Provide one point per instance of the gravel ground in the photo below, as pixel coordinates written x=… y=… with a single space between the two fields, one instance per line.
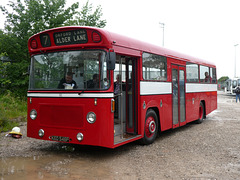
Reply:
x=196 y=151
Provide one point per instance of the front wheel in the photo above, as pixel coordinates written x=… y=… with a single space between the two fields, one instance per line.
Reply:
x=150 y=127
x=201 y=113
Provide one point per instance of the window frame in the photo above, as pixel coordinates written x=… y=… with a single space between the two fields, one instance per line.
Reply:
x=194 y=80
x=161 y=71
x=202 y=70
x=83 y=73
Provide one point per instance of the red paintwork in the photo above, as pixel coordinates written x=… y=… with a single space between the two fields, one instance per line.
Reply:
x=67 y=116
x=130 y=46
x=210 y=99
x=56 y=120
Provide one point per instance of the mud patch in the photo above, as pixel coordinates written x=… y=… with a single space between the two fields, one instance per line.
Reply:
x=51 y=167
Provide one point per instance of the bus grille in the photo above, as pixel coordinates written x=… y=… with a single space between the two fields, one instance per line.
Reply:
x=61 y=115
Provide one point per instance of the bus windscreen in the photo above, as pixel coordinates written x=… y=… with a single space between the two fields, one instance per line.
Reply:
x=77 y=70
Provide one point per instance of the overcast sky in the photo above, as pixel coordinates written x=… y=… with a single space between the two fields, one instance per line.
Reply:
x=207 y=29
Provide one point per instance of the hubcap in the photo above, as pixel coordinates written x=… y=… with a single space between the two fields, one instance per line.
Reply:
x=150 y=127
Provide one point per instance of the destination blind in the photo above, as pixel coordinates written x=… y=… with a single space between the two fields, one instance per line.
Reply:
x=70 y=37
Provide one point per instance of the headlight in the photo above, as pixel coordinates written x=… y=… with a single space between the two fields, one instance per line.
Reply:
x=41 y=132
x=79 y=136
x=33 y=114
x=91 y=117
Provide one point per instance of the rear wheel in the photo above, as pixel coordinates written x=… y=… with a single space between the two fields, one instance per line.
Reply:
x=150 y=127
x=201 y=113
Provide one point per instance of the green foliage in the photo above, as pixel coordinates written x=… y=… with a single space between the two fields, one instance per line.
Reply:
x=33 y=16
x=4 y=81
x=25 y=18
x=12 y=110
x=30 y=17
x=6 y=125
x=17 y=75
x=223 y=79
x=10 y=47
x=87 y=18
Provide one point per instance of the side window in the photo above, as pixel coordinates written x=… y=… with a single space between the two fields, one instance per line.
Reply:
x=120 y=73
x=234 y=83
x=213 y=74
x=120 y=67
x=192 y=72
x=154 y=67
x=204 y=74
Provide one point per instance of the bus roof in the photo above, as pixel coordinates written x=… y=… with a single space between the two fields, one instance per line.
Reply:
x=113 y=39
x=124 y=41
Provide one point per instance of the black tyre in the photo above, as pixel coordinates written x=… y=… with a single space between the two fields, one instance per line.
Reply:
x=201 y=113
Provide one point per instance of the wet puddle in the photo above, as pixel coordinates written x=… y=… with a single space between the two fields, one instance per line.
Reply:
x=231 y=101
x=51 y=167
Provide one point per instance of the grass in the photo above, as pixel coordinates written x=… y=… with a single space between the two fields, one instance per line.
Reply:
x=12 y=111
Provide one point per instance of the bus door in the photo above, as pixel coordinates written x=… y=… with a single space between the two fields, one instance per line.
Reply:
x=178 y=96
x=125 y=114
x=131 y=96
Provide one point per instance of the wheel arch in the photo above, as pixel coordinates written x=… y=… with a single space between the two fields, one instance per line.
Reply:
x=204 y=106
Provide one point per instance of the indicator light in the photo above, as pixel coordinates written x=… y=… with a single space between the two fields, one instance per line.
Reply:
x=34 y=44
x=96 y=37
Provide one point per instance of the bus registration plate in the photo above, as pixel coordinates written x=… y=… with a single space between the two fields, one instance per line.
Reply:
x=59 y=138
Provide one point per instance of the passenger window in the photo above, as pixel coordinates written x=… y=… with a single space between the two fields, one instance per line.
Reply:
x=154 y=67
x=192 y=72
x=205 y=75
x=213 y=74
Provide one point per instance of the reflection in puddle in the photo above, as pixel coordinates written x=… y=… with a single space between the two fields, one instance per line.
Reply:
x=51 y=167
x=231 y=101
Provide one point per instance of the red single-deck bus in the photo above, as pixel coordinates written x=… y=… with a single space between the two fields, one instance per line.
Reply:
x=74 y=96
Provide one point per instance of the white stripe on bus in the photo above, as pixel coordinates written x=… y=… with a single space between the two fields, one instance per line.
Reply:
x=149 y=88
x=153 y=88
x=72 y=95
x=196 y=87
x=146 y=88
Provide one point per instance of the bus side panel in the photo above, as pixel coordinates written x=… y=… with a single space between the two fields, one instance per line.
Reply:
x=211 y=101
x=214 y=101
x=65 y=117
x=192 y=106
x=166 y=112
x=162 y=103
x=193 y=101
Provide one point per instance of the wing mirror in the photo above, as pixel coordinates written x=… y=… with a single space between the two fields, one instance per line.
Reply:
x=111 y=59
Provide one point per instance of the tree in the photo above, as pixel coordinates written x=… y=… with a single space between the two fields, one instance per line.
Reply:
x=34 y=16
x=30 y=17
x=3 y=73
x=223 y=79
x=87 y=18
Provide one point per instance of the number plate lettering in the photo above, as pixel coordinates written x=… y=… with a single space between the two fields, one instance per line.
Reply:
x=59 y=138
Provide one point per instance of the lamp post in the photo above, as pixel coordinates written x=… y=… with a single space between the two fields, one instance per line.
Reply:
x=162 y=26
x=235 y=62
